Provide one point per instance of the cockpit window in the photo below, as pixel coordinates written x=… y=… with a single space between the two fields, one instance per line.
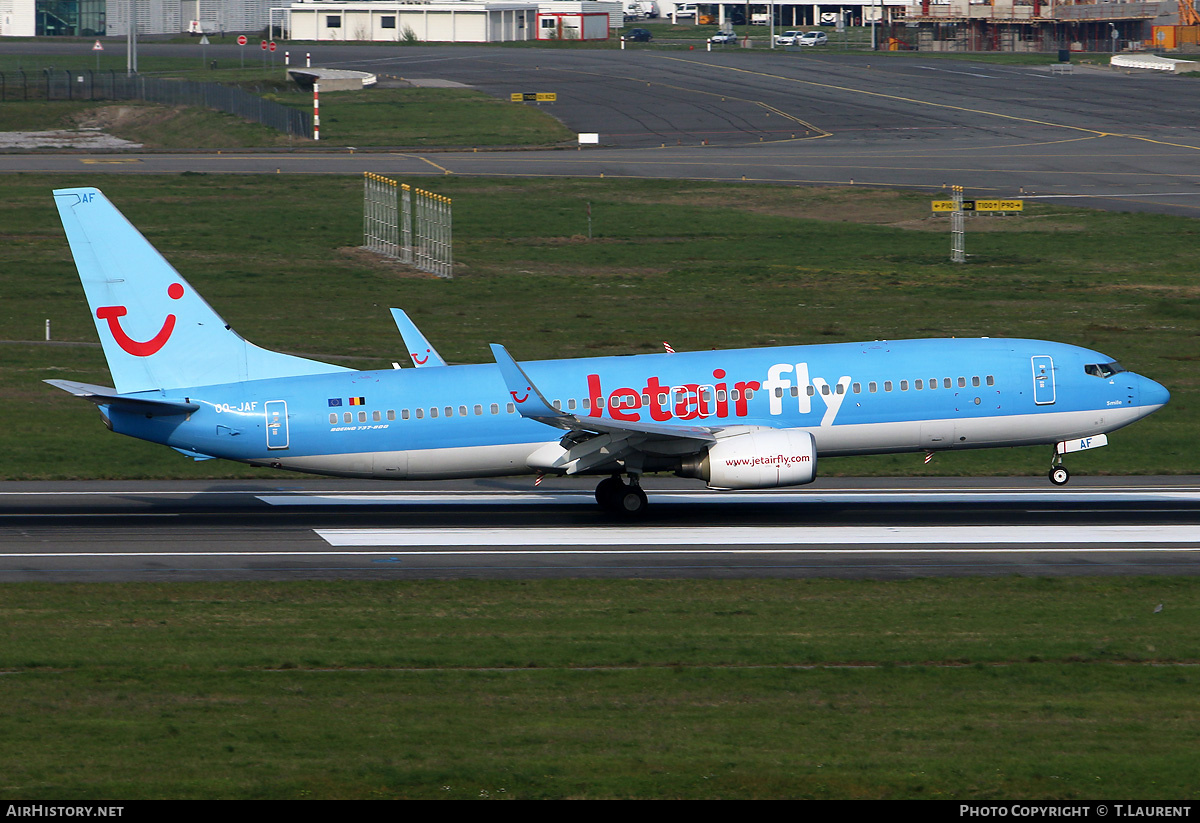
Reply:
x=1104 y=369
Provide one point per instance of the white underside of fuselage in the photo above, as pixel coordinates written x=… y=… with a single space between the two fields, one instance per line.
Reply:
x=832 y=441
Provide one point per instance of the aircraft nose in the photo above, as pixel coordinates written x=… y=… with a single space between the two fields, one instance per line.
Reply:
x=1152 y=393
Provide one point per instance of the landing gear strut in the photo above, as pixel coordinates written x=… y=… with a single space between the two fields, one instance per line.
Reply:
x=618 y=497
x=1058 y=472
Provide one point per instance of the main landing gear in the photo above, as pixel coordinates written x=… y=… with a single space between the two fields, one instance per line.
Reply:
x=1058 y=472
x=618 y=497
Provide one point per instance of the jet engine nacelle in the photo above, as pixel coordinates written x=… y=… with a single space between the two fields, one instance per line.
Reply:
x=757 y=459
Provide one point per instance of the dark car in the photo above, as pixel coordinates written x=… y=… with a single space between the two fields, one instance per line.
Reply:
x=639 y=35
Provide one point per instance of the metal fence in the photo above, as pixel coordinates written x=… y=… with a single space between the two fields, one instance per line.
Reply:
x=410 y=225
x=87 y=84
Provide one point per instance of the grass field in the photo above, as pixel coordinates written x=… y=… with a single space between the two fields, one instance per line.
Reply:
x=700 y=265
x=965 y=689
x=986 y=689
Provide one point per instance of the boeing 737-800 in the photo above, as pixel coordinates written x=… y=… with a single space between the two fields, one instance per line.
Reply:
x=737 y=419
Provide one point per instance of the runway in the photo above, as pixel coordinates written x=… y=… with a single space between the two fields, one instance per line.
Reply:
x=881 y=529
x=1099 y=138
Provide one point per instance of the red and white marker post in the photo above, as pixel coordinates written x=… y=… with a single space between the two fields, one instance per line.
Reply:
x=316 y=111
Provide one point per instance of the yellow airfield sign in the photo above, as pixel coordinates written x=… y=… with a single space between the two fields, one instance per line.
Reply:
x=980 y=205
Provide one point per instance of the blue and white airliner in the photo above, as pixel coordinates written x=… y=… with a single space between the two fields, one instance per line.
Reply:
x=737 y=419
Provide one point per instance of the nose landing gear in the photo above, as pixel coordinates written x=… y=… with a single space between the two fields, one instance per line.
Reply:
x=1058 y=472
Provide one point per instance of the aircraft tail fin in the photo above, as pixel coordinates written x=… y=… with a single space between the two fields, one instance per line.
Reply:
x=156 y=330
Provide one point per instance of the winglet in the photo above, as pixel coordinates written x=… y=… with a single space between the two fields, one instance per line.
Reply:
x=528 y=400
x=422 y=354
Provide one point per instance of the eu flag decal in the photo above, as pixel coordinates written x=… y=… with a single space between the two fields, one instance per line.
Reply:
x=335 y=401
x=358 y=401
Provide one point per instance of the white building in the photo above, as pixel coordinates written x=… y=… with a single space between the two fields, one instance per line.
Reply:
x=455 y=22
x=459 y=21
x=17 y=18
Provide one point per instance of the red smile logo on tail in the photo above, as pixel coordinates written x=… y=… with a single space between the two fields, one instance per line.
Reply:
x=138 y=348
x=521 y=399
x=420 y=361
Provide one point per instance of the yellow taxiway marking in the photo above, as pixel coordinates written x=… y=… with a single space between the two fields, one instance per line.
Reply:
x=948 y=106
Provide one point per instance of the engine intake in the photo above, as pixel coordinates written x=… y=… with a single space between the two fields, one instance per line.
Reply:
x=757 y=459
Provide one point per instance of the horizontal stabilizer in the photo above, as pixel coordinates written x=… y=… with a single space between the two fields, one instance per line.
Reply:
x=197 y=456
x=105 y=396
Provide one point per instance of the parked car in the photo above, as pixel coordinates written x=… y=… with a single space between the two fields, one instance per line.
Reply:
x=639 y=35
x=812 y=38
x=724 y=37
x=788 y=38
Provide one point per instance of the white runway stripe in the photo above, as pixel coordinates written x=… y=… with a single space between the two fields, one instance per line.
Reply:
x=798 y=539
x=714 y=497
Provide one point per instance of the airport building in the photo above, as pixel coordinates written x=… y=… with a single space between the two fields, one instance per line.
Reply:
x=97 y=18
x=921 y=25
x=451 y=22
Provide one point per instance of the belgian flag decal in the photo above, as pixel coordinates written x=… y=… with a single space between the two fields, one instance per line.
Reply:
x=358 y=401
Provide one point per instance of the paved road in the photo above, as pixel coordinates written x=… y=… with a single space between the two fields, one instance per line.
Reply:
x=505 y=529
x=1098 y=137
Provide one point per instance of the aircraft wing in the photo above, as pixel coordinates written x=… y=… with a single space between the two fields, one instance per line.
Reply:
x=593 y=443
x=105 y=396
x=422 y=354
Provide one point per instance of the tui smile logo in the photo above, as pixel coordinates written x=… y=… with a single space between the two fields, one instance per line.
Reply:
x=420 y=361
x=521 y=399
x=139 y=348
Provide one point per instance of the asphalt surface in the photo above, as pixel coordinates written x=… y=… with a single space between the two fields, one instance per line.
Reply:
x=507 y=529
x=1099 y=137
